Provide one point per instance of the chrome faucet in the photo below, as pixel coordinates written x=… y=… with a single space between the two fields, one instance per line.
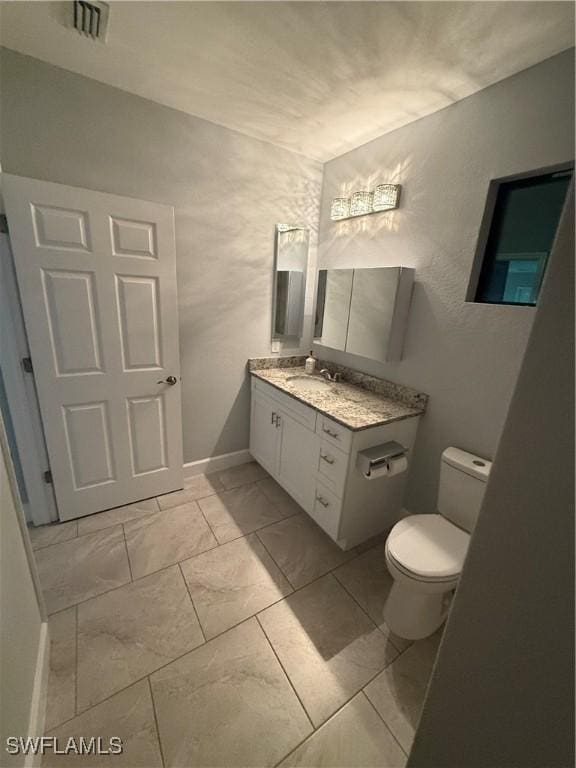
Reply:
x=330 y=376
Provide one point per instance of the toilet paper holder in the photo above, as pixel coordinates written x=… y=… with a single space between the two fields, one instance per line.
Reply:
x=374 y=458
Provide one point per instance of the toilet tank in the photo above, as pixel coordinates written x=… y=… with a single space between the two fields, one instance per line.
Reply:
x=463 y=478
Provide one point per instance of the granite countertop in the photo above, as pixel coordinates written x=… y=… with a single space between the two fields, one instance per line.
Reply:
x=364 y=402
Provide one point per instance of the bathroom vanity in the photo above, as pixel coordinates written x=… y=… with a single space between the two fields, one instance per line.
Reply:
x=307 y=433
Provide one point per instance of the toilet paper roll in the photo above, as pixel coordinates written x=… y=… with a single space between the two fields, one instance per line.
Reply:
x=397 y=466
x=388 y=468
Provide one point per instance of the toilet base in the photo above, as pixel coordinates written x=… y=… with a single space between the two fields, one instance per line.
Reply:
x=415 y=615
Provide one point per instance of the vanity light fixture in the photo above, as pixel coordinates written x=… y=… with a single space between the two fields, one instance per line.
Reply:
x=340 y=208
x=361 y=203
x=385 y=197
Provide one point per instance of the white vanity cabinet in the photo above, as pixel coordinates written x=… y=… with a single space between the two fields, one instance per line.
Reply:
x=283 y=440
x=314 y=459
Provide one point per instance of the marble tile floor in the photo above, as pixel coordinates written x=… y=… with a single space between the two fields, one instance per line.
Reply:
x=219 y=626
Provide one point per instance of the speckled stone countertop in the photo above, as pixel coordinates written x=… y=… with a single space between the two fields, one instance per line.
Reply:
x=358 y=401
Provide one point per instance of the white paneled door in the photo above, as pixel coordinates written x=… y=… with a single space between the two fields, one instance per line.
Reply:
x=97 y=279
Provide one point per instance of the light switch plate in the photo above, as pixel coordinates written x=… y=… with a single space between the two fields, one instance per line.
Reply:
x=275 y=346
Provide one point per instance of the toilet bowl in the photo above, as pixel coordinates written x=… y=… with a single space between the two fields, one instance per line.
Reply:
x=425 y=553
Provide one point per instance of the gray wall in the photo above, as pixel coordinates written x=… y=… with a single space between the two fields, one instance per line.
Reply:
x=229 y=191
x=465 y=356
x=502 y=691
x=20 y=617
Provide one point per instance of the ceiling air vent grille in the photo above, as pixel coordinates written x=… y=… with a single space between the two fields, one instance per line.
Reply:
x=91 y=19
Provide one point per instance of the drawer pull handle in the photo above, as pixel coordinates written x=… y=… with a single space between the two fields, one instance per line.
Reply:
x=329 y=432
x=327 y=459
x=323 y=501
x=273 y=419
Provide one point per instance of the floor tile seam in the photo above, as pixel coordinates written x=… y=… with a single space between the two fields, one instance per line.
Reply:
x=192 y=603
x=286 y=675
x=207 y=523
x=388 y=728
x=79 y=535
x=375 y=675
x=139 y=578
x=195 y=499
x=166 y=509
x=218 y=545
x=156 y=721
x=260 y=610
x=363 y=690
x=52 y=544
x=331 y=573
x=127 y=554
x=247 y=618
x=325 y=723
x=114 y=524
x=134 y=581
x=330 y=570
x=288 y=579
x=295 y=590
x=391 y=639
x=122 y=524
x=211 y=549
x=177 y=658
x=128 y=685
x=152 y=672
x=365 y=685
x=348 y=592
x=240 y=485
x=248 y=533
x=82 y=535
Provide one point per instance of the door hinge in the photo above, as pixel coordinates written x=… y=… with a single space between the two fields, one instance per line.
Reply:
x=27 y=365
x=3 y=224
x=48 y=477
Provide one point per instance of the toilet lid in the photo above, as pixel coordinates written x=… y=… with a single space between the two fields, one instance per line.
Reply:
x=429 y=546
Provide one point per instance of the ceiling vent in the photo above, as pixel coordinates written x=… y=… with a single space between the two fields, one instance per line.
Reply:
x=91 y=18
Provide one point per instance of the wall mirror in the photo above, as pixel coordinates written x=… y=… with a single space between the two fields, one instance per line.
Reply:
x=364 y=311
x=289 y=290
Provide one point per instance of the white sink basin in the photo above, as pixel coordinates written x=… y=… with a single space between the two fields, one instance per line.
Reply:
x=308 y=383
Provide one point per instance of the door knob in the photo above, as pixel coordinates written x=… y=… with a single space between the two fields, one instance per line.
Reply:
x=169 y=380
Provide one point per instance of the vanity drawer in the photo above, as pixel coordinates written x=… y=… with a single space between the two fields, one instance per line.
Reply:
x=326 y=510
x=301 y=413
x=333 y=466
x=334 y=433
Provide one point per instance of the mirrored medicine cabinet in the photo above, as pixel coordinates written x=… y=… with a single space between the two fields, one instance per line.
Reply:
x=364 y=311
x=289 y=289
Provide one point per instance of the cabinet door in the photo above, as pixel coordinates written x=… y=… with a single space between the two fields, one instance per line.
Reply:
x=298 y=461
x=265 y=432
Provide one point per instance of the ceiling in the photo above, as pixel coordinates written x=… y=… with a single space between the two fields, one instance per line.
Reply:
x=315 y=78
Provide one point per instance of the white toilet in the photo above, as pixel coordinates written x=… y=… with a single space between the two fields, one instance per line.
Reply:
x=425 y=553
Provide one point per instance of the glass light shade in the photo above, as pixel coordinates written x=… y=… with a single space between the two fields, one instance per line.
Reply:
x=386 y=197
x=340 y=208
x=361 y=203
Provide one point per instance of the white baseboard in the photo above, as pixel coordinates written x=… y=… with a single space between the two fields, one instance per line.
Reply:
x=39 y=694
x=217 y=463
